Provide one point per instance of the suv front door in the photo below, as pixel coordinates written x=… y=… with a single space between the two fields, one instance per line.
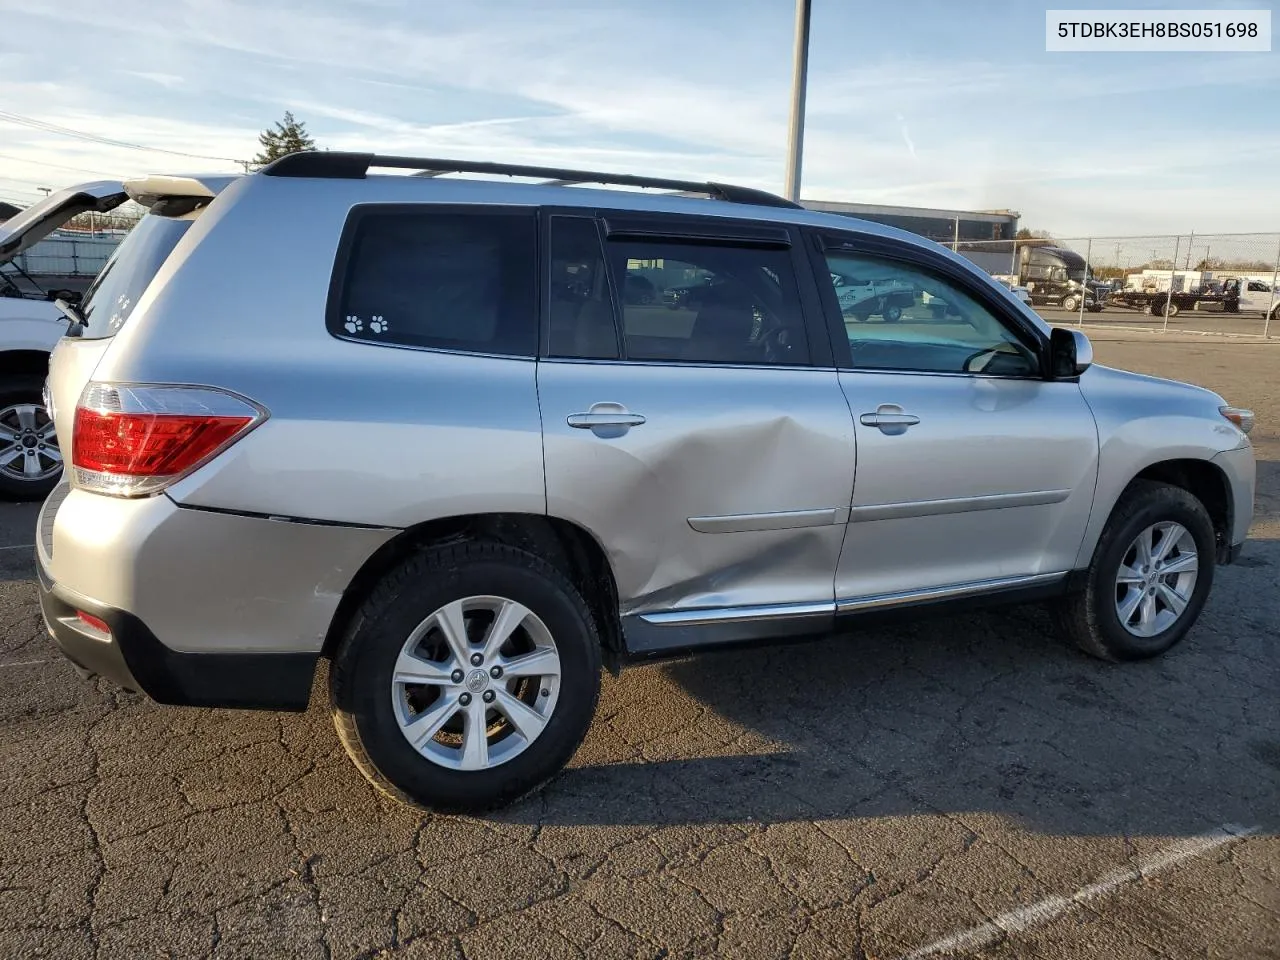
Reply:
x=693 y=423
x=974 y=472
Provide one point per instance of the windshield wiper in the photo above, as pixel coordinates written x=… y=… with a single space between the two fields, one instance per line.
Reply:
x=79 y=322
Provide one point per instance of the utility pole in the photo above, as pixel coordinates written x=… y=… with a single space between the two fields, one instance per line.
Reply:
x=799 y=81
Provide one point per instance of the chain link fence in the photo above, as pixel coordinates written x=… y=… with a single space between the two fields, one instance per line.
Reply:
x=1209 y=284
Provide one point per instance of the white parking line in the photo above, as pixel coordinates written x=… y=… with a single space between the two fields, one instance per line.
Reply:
x=23 y=663
x=20 y=546
x=1051 y=907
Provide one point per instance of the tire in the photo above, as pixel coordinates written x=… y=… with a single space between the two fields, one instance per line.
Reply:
x=23 y=414
x=1090 y=618
x=368 y=707
x=1173 y=309
x=1070 y=303
x=892 y=313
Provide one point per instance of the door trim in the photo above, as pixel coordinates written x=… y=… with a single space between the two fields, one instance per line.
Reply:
x=956 y=591
x=744 y=614
x=934 y=508
x=786 y=611
x=780 y=520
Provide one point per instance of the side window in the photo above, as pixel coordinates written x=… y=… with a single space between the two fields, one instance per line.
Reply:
x=705 y=303
x=1257 y=286
x=901 y=317
x=581 y=309
x=457 y=281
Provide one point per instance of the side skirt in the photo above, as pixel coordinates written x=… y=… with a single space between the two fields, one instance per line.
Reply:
x=675 y=632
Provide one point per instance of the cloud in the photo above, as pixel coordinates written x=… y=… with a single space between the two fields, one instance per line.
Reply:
x=169 y=80
x=644 y=89
x=906 y=136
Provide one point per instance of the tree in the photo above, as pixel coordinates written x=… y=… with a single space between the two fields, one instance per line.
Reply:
x=289 y=136
x=1025 y=234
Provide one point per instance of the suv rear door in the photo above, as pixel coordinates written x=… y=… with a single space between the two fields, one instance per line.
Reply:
x=975 y=472
x=693 y=423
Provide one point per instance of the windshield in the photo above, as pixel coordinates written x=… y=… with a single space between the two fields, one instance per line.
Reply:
x=110 y=299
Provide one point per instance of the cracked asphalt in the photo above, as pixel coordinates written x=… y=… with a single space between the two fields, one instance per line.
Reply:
x=867 y=795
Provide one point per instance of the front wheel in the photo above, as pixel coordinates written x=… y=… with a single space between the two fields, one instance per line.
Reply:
x=30 y=460
x=468 y=678
x=1070 y=304
x=1149 y=578
x=892 y=313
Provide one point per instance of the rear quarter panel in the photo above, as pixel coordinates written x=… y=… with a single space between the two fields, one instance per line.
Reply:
x=364 y=434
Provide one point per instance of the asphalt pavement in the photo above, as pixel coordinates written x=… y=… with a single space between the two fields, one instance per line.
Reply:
x=964 y=787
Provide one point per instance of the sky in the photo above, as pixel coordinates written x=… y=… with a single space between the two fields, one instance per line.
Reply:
x=914 y=102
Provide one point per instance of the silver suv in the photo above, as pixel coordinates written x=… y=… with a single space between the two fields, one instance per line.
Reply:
x=471 y=440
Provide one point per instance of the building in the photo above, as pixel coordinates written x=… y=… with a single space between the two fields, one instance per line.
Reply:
x=944 y=226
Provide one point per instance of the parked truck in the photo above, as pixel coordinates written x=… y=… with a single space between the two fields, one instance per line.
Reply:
x=861 y=298
x=1159 y=291
x=1056 y=276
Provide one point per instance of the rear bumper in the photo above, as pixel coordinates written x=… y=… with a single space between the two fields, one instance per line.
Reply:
x=131 y=657
x=243 y=603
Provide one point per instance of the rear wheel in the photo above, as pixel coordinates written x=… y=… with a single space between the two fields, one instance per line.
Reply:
x=893 y=313
x=30 y=460
x=1070 y=303
x=1149 y=578
x=467 y=679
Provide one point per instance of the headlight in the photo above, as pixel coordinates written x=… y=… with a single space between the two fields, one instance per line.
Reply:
x=1239 y=416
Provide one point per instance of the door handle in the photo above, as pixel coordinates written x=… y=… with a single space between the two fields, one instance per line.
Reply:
x=589 y=421
x=890 y=418
x=606 y=420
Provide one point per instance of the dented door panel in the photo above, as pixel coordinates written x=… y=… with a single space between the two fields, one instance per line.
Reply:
x=733 y=491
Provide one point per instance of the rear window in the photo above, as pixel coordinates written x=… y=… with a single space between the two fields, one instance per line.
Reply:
x=444 y=280
x=111 y=298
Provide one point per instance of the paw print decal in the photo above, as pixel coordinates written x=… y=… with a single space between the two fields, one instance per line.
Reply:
x=354 y=325
x=378 y=325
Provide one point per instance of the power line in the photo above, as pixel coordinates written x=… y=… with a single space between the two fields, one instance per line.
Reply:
x=34 y=183
x=45 y=127
x=58 y=166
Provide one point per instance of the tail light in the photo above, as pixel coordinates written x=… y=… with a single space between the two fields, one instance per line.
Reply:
x=133 y=441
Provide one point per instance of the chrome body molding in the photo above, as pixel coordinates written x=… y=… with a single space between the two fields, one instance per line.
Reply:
x=934 y=508
x=956 y=592
x=781 y=520
x=788 y=611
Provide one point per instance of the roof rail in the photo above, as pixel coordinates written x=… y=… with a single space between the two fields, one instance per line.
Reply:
x=355 y=166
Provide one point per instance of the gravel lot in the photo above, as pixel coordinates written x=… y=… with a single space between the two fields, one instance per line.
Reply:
x=961 y=788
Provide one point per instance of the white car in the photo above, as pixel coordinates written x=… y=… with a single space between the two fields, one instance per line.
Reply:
x=863 y=298
x=31 y=325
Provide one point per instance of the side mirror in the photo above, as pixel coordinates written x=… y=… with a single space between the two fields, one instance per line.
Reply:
x=1070 y=353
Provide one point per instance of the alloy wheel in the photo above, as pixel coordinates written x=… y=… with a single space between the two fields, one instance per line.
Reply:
x=1156 y=579
x=476 y=682
x=28 y=444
